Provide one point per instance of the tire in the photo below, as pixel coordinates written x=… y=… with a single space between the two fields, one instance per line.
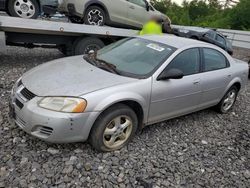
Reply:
x=24 y=9
x=84 y=45
x=121 y=137
x=194 y=37
x=95 y=15
x=224 y=107
x=75 y=19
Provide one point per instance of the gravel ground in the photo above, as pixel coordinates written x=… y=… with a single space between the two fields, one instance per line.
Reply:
x=204 y=149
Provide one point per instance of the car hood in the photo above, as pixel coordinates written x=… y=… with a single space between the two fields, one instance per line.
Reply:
x=71 y=76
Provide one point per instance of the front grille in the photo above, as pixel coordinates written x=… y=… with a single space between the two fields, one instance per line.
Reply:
x=27 y=94
x=19 y=104
x=46 y=130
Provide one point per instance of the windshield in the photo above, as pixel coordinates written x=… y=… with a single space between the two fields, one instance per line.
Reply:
x=135 y=57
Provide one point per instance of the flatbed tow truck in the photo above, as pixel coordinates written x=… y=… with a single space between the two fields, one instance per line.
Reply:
x=69 y=38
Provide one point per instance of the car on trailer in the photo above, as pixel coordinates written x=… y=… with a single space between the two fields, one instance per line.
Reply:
x=27 y=8
x=204 y=34
x=106 y=97
x=118 y=13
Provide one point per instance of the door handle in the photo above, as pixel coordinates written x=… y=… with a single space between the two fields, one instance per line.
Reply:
x=132 y=7
x=196 y=82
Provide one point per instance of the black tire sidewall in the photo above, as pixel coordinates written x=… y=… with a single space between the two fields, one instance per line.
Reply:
x=220 y=105
x=82 y=43
x=13 y=13
x=96 y=136
x=92 y=8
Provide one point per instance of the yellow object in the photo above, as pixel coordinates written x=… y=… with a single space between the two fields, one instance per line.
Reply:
x=151 y=28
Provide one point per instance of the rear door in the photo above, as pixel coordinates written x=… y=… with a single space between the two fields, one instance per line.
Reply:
x=137 y=13
x=175 y=97
x=215 y=77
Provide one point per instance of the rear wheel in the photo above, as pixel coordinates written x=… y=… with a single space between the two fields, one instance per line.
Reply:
x=95 y=15
x=24 y=8
x=85 y=45
x=114 y=128
x=228 y=100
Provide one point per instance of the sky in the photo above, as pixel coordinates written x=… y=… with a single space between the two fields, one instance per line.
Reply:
x=179 y=1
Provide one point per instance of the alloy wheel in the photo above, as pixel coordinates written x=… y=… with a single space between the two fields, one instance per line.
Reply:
x=95 y=17
x=24 y=8
x=117 y=132
x=229 y=100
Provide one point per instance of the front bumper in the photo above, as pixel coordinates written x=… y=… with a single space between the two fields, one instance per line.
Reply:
x=71 y=8
x=50 y=126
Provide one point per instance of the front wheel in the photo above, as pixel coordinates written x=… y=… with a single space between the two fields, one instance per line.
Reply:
x=114 y=128
x=228 y=100
x=24 y=8
x=95 y=15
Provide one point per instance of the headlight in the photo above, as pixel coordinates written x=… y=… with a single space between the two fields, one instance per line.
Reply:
x=183 y=30
x=16 y=85
x=63 y=104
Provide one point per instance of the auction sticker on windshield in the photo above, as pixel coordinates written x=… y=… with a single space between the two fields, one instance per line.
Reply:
x=155 y=47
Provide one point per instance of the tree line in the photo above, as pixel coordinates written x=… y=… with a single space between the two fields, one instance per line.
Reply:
x=230 y=14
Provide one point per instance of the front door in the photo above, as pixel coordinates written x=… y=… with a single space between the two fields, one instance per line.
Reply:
x=175 y=97
x=137 y=13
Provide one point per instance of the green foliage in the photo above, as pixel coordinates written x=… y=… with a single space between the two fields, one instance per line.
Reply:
x=207 y=13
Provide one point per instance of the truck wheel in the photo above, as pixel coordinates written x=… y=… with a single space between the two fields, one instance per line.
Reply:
x=24 y=8
x=95 y=16
x=84 y=45
x=114 y=128
x=228 y=100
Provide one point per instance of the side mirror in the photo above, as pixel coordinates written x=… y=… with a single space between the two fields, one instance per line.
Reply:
x=171 y=74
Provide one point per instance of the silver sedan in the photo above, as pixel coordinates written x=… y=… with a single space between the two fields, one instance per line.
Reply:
x=105 y=97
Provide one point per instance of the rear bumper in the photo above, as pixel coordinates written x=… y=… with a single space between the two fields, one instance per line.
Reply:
x=72 y=8
x=49 y=2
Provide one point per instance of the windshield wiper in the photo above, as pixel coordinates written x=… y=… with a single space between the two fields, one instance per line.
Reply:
x=107 y=66
x=89 y=60
x=92 y=59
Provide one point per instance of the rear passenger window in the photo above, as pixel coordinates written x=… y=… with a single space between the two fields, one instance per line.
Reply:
x=221 y=40
x=214 y=60
x=187 y=61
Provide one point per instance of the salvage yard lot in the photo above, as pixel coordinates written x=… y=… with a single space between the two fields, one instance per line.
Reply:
x=204 y=149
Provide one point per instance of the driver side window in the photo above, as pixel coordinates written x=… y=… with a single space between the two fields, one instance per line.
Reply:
x=140 y=3
x=187 y=61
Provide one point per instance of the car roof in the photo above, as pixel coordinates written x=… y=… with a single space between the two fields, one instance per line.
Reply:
x=198 y=29
x=175 y=41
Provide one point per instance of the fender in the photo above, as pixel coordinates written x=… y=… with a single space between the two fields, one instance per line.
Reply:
x=119 y=97
x=235 y=80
